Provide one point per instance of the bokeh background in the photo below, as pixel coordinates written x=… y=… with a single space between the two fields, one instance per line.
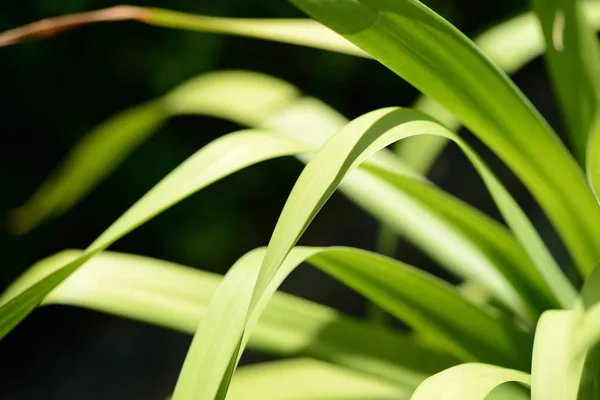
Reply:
x=55 y=91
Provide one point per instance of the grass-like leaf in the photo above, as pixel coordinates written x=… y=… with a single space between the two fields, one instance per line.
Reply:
x=468 y=382
x=412 y=295
x=556 y=369
x=436 y=58
x=362 y=137
x=295 y=31
x=573 y=58
x=467 y=243
x=305 y=379
x=223 y=94
x=176 y=297
x=222 y=157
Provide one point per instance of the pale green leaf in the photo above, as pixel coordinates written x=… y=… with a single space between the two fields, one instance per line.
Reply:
x=223 y=94
x=345 y=150
x=294 y=31
x=233 y=152
x=426 y=303
x=468 y=382
x=556 y=368
x=220 y=158
x=437 y=59
x=469 y=244
x=306 y=379
x=94 y=158
x=510 y=44
x=173 y=296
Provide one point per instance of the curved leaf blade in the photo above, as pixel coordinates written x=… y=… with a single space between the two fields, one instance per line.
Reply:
x=222 y=157
x=403 y=291
x=468 y=382
x=176 y=297
x=362 y=137
x=556 y=369
x=436 y=58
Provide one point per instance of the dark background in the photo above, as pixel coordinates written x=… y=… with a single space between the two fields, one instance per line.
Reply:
x=55 y=91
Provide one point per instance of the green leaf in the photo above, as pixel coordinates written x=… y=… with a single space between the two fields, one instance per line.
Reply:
x=484 y=246
x=510 y=44
x=593 y=158
x=362 y=137
x=223 y=94
x=306 y=379
x=465 y=233
x=220 y=158
x=105 y=146
x=556 y=369
x=590 y=293
x=426 y=303
x=468 y=382
x=460 y=238
x=437 y=59
x=573 y=58
x=293 y=31
x=214 y=160
x=176 y=297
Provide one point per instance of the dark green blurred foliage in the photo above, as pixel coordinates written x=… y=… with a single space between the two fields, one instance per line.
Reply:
x=56 y=90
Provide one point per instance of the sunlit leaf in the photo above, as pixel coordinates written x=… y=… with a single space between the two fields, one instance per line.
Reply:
x=437 y=59
x=405 y=292
x=470 y=244
x=220 y=158
x=294 y=31
x=173 y=296
x=468 y=382
x=362 y=137
x=556 y=369
x=305 y=379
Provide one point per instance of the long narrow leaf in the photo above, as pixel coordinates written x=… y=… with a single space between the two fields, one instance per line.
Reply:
x=556 y=369
x=223 y=94
x=573 y=58
x=222 y=157
x=345 y=150
x=410 y=294
x=305 y=379
x=435 y=57
x=469 y=244
x=173 y=296
x=295 y=31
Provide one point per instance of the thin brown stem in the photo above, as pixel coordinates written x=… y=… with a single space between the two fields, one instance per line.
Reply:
x=53 y=26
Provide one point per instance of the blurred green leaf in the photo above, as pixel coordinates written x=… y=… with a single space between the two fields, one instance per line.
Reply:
x=436 y=58
x=573 y=58
x=468 y=382
x=590 y=293
x=102 y=150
